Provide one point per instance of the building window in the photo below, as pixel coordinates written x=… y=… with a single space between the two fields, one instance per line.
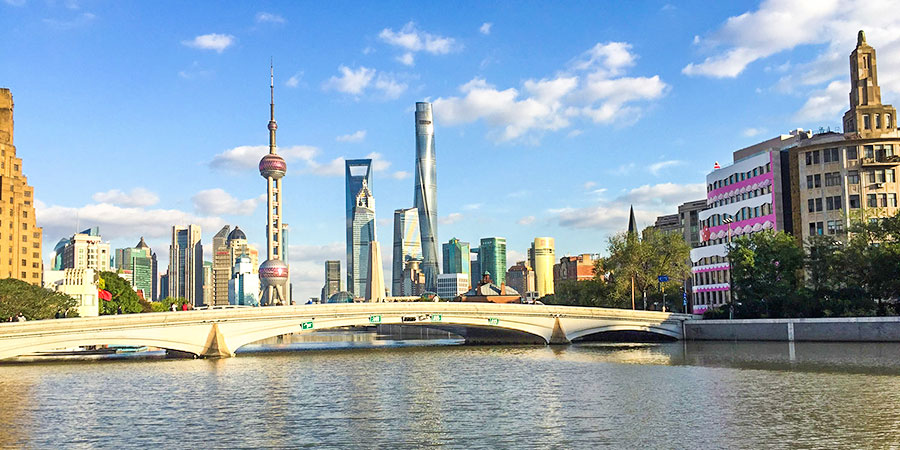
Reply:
x=871 y=201
x=816 y=228
x=853 y=177
x=809 y=158
x=868 y=151
x=833 y=179
x=830 y=155
x=866 y=122
x=887 y=120
x=892 y=200
x=854 y=201
x=851 y=153
x=809 y=182
x=817 y=180
x=882 y=200
x=811 y=205
x=835 y=226
x=833 y=203
x=877 y=121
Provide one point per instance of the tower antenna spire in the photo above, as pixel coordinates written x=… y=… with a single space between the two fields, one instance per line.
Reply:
x=272 y=89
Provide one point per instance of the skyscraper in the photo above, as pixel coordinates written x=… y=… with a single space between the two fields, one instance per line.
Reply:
x=186 y=264
x=243 y=288
x=544 y=258
x=228 y=246
x=274 y=273
x=332 y=279
x=138 y=261
x=363 y=227
x=358 y=172
x=407 y=244
x=208 y=283
x=425 y=199
x=456 y=258
x=21 y=260
x=492 y=258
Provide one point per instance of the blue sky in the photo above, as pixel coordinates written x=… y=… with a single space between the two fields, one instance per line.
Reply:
x=550 y=118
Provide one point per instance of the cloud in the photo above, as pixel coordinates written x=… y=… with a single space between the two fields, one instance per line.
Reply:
x=78 y=21
x=593 y=87
x=411 y=39
x=655 y=168
x=575 y=132
x=485 y=28
x=264 y=17
x=400 y=175
x=137 y=197
x=245 y=158
x=588 y=184
x=357 y=136
x=15 y=2
x=307 y=267
x=335 y=167
x=212 y=41
x=355 y=82
x=473 y=206
x=406 y=59
x=825 y=103
x=450 y=218
x=527 y=220
x=217 y=201
x=649 y=201
x=750 y=132
x=294 y=80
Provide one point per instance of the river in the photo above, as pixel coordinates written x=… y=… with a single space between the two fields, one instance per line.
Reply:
x=342 y=390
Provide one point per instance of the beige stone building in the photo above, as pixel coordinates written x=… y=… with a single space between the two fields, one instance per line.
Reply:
x=80 y=284
x=842 y=178
x=20 y=238
x=85 y=251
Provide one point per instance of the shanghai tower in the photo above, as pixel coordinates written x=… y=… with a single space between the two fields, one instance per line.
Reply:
x=426 y=193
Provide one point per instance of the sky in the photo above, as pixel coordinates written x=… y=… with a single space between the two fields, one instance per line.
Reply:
x=551 y=118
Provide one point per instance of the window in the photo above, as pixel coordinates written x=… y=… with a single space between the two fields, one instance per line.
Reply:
x=817 y=180
x=830 y=155
x=818 y=204
x=889 y=175
x=851 y=153
x=877 y=121
x=866 y=122
x=871 y=201
x=811 y=205
x=833 y=203
x=854 y=201
x=868 y=151
x=835 y=226
x=816 y=228
x=892 y=200
x=882 y=200
x=887 y=120
x=809 y=158
x=853 y=177
x=833 y=179
x=888 y=150
x=809 y=182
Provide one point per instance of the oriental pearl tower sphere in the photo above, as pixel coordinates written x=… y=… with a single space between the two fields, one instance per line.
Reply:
x=273 y=273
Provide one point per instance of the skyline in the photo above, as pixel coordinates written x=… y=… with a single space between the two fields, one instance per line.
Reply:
x=349 y=104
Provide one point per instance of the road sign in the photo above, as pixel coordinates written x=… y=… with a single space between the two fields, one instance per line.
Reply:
x=375 y=319
x=306 y=325
x=663 y=278
x=493 y=321
x=435 y=317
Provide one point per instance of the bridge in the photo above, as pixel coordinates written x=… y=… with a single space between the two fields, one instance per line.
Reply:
x=218 y=333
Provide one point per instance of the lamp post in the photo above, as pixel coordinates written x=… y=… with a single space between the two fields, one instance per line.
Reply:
x=728 y=219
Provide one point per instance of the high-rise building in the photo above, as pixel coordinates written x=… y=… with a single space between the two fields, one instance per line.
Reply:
x=86 y=251
x=332 y=279
x=154 y=277
x=688 y=215
x=413 y=279
x=21 y=259
x=521 y=278
x=186 y=264
x=492 y=258
x=207 y=282
x=229 y=245
x=456 y=259
x=669 y=224
x=358 y=174
x=363 y=227
x=475 y=272
x=375 y=290
x=842 y=179
x=274 y=273
x=543 y=249
x=164 y=286
x=139 y=262
x=407 y=244
x=59 y=251
x=425 y=199
x=243 y=287
x=452 y=285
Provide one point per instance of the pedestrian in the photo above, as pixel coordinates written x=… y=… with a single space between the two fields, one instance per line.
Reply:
x=58 y=313
x=184 y=307
x=173 y=308
x=20 y=318
x=119 y=310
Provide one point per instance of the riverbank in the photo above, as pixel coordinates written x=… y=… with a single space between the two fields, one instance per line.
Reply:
x=831 y=329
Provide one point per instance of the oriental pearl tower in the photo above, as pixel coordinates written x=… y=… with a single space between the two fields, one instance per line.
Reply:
x=273 y=274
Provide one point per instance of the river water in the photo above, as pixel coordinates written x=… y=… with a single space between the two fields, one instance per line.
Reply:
x=343 y=390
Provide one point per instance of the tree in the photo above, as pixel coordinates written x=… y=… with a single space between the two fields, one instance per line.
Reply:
x=166 y=304
x=644 y=259
x=33 y=302
x=766 y=270
x=124 y=299
x=583 y=293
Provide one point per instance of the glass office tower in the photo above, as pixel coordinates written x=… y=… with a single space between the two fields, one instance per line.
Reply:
x=426 y=193
x=407 y=245
x=492 y=258
x=456 y=258
x=358 y=173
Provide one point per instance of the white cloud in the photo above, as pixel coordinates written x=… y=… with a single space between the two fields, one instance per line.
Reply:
x=649 y=201
x=307 y=267
x=264 y=17
x=212 y=41
x=79 y=20
x=450 y=218
x=217 y=201
x=750 y=132
x=137 y=197
x=588 y=184
x=657 y=167
x=574 y=133
x=406 y=59
x=485 y=28
x=294 y=80
x=473 y=206
x=527 y=220
x=413 y=40
x=828 y=27
x=400 y=175
x=15 y=2
x=357 y=136
x=335 y=167
x=594 y=87
x=355 y=82
x=246 y=157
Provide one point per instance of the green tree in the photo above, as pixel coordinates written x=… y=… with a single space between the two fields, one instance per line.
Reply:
x=644 y=259
x=166 y=304
x=766 y=271
x=124 y=298
x=584 y=293
x=33 y=302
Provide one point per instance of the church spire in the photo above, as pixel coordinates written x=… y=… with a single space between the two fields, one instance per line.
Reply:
x=632 y=224
x=867 y=116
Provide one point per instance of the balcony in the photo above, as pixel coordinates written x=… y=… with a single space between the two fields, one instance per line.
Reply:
x=881 y=161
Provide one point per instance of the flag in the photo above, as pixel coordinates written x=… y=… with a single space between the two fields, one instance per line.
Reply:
x=104 y=295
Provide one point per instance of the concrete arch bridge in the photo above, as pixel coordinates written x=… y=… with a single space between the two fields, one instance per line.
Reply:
x=218 y=333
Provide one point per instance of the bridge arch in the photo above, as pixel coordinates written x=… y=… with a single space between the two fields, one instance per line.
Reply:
x=651 y=329
x=61 y=342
